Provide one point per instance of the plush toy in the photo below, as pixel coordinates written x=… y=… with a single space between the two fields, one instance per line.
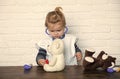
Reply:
x=57 y=62
x=102 y=61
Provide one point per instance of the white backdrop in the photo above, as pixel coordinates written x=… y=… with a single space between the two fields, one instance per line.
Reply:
x=95 y=22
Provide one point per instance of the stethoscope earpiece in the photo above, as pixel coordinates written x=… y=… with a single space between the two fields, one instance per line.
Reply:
x=66 y=30
x=46 y=31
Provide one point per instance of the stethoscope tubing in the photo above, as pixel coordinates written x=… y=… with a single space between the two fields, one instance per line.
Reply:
x=46 y=31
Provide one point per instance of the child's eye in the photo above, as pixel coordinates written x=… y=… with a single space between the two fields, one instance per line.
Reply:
x=51 y=31
x=58 y=30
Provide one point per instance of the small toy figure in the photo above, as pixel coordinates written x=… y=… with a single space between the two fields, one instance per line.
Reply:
x=27 y=66
x=114 y=69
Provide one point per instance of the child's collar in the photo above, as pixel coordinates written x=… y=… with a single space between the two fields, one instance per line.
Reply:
x=60 y=37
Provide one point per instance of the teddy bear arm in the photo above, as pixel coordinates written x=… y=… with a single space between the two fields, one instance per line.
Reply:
x=53 y=61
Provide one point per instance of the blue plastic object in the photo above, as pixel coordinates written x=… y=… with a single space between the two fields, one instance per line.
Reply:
x=27 y=67
x=110 y=70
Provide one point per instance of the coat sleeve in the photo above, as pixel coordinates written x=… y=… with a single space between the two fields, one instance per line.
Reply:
x=42 y=49
x=77 y=49
x=41 y=54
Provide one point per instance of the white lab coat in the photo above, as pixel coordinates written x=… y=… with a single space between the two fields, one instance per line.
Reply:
x=69 y=41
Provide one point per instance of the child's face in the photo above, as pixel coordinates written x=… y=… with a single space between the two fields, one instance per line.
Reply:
x=56 y=30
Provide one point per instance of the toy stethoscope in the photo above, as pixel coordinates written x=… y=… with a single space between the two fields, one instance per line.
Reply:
x=66 y=30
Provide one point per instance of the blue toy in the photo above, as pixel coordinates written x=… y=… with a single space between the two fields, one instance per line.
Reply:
x=110 y=70
x=27 y=66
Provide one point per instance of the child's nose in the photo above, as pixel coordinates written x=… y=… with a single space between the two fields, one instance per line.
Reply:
x=56 y=33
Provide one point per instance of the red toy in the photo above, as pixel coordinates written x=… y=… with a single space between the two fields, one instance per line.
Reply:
x=47 y=62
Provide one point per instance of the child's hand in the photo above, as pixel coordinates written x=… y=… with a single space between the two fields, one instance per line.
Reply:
x=78 y=56
x=41 y=62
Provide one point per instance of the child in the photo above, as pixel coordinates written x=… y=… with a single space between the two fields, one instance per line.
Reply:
x=56 y=28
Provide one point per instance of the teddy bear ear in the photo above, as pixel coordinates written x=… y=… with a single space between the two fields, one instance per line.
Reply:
x=105 y=56
x=114 y=58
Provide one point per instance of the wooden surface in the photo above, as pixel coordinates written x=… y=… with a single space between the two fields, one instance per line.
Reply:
x=70 y=72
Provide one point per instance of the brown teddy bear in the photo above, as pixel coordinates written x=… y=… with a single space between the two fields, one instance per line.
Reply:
x=102 y=61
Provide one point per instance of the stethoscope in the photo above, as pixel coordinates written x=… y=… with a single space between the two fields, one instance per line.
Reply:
x=66 y=30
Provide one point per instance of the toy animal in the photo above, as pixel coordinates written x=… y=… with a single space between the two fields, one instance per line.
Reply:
x=57 y=62
x=103 y=61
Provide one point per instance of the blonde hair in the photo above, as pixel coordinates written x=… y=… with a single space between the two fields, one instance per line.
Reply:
x=55 y=17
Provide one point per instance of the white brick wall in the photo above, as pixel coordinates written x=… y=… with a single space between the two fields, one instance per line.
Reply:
x=95 y=22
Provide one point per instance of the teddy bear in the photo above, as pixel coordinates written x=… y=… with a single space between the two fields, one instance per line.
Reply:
x=57 y=62
x=102 y=61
